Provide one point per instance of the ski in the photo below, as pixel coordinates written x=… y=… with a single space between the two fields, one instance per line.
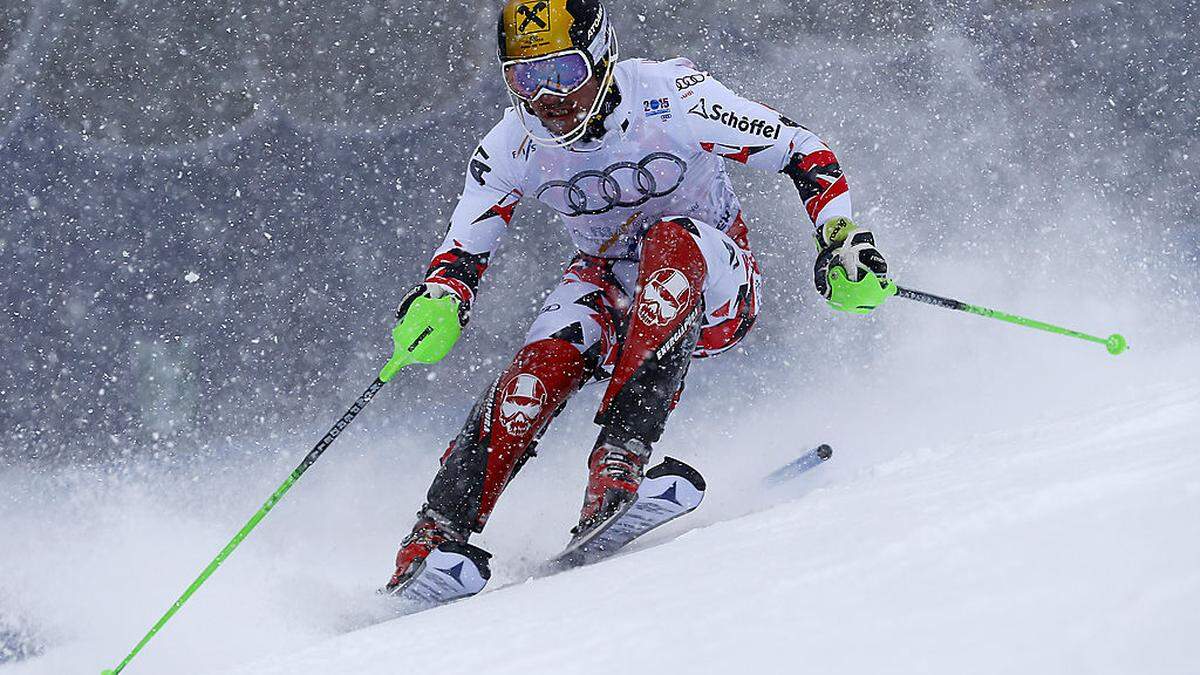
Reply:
x=450 y=572
x=801 y=464
x=672 y=488
x=669 y=490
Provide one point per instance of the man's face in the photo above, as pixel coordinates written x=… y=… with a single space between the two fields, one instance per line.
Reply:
x=560 y=114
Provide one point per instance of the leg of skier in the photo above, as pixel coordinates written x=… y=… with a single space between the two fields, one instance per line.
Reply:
x=696 y=295
x=663 y=327
x=573 y=336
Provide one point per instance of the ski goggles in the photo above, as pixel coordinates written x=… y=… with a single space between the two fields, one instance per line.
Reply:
x=558 y=74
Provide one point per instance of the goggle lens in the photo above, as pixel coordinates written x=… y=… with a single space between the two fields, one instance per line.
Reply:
x=560 y=74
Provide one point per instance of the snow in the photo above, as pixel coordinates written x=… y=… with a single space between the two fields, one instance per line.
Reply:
x=1044 y=549
x=1052 y=529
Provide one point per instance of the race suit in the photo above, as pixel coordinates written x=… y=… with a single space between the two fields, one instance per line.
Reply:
x=664 y=271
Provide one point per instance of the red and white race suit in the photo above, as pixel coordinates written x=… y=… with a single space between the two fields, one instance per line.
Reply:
x=663 y=154
x=664 y=270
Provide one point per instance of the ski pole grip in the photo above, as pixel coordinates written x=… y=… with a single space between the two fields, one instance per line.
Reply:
x=425 y=334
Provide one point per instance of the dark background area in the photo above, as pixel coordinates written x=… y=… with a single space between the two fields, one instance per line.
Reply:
x=209 y=209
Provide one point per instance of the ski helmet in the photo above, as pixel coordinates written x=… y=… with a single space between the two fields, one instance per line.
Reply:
x=555 y=47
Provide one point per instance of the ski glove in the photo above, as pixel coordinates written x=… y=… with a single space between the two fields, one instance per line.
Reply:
x=430 y=319
x=434 y=291
x=850 y=272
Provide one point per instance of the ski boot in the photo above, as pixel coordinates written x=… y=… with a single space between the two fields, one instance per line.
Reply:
x=614 y=474
x=617 y=517
x=436 y=565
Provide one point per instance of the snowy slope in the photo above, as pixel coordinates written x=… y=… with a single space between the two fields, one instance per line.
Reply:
x=1012 y=514
x=1069 y=546
x=998 y=501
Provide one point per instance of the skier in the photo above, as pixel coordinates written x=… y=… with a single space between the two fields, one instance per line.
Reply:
x=632 y=155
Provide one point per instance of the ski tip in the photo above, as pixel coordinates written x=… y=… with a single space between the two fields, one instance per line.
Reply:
x=452 y=571
x=674 y=467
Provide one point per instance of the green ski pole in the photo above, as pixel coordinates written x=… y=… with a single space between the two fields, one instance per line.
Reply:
x=428 y=331
x=309 y=459
x=1115 y=343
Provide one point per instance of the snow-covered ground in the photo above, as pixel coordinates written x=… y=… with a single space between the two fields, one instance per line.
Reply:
x=1068 y=546
x=1031 y=508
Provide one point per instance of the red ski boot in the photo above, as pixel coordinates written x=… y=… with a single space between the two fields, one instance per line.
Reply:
x=436 y=565
x=426 y=535
x=614 y=474
x=668 y=491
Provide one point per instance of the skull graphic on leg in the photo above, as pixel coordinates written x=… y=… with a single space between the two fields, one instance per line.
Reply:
x=666 y=292
x=524 y=397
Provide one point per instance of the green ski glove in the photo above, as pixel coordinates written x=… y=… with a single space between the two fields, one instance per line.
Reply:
x=430 y=320
x=850 y=272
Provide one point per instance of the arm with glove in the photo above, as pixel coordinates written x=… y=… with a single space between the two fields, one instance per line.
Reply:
x=849 y=272
x=433 y=313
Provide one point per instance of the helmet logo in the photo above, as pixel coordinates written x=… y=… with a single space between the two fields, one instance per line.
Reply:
x=524 y=398
x=599 y=21
x=666 y=293
x=534 y=17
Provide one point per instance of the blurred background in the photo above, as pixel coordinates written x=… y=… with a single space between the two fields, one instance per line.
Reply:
x=209 y=209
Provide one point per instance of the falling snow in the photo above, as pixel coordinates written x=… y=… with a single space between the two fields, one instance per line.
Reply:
x=295 y=163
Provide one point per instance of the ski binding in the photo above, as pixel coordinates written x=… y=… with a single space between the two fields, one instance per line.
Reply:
x=450 y=572
x=669 y=490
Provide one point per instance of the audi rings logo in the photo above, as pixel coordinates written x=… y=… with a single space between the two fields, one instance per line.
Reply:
x=687 y=81
x=622 y=184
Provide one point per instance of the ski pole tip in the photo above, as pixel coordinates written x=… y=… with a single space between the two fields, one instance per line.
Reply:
x=1116 y=344
x=108 y=672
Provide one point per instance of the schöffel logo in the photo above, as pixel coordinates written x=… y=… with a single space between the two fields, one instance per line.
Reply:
x=656 y=107
x=733 y=120
x=686 y=81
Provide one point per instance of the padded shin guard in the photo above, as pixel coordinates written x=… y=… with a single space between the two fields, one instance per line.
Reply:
x=501 y=429
x=663 y=327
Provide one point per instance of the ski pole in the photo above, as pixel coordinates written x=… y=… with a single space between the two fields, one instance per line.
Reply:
x=423 y=319
x=1115 y=343
x=309 y=459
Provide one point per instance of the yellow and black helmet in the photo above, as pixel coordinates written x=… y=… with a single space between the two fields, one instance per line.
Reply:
x=555 y=47
x=530 y=29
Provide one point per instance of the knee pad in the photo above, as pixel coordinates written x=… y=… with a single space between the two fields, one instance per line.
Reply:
x=671 y=273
